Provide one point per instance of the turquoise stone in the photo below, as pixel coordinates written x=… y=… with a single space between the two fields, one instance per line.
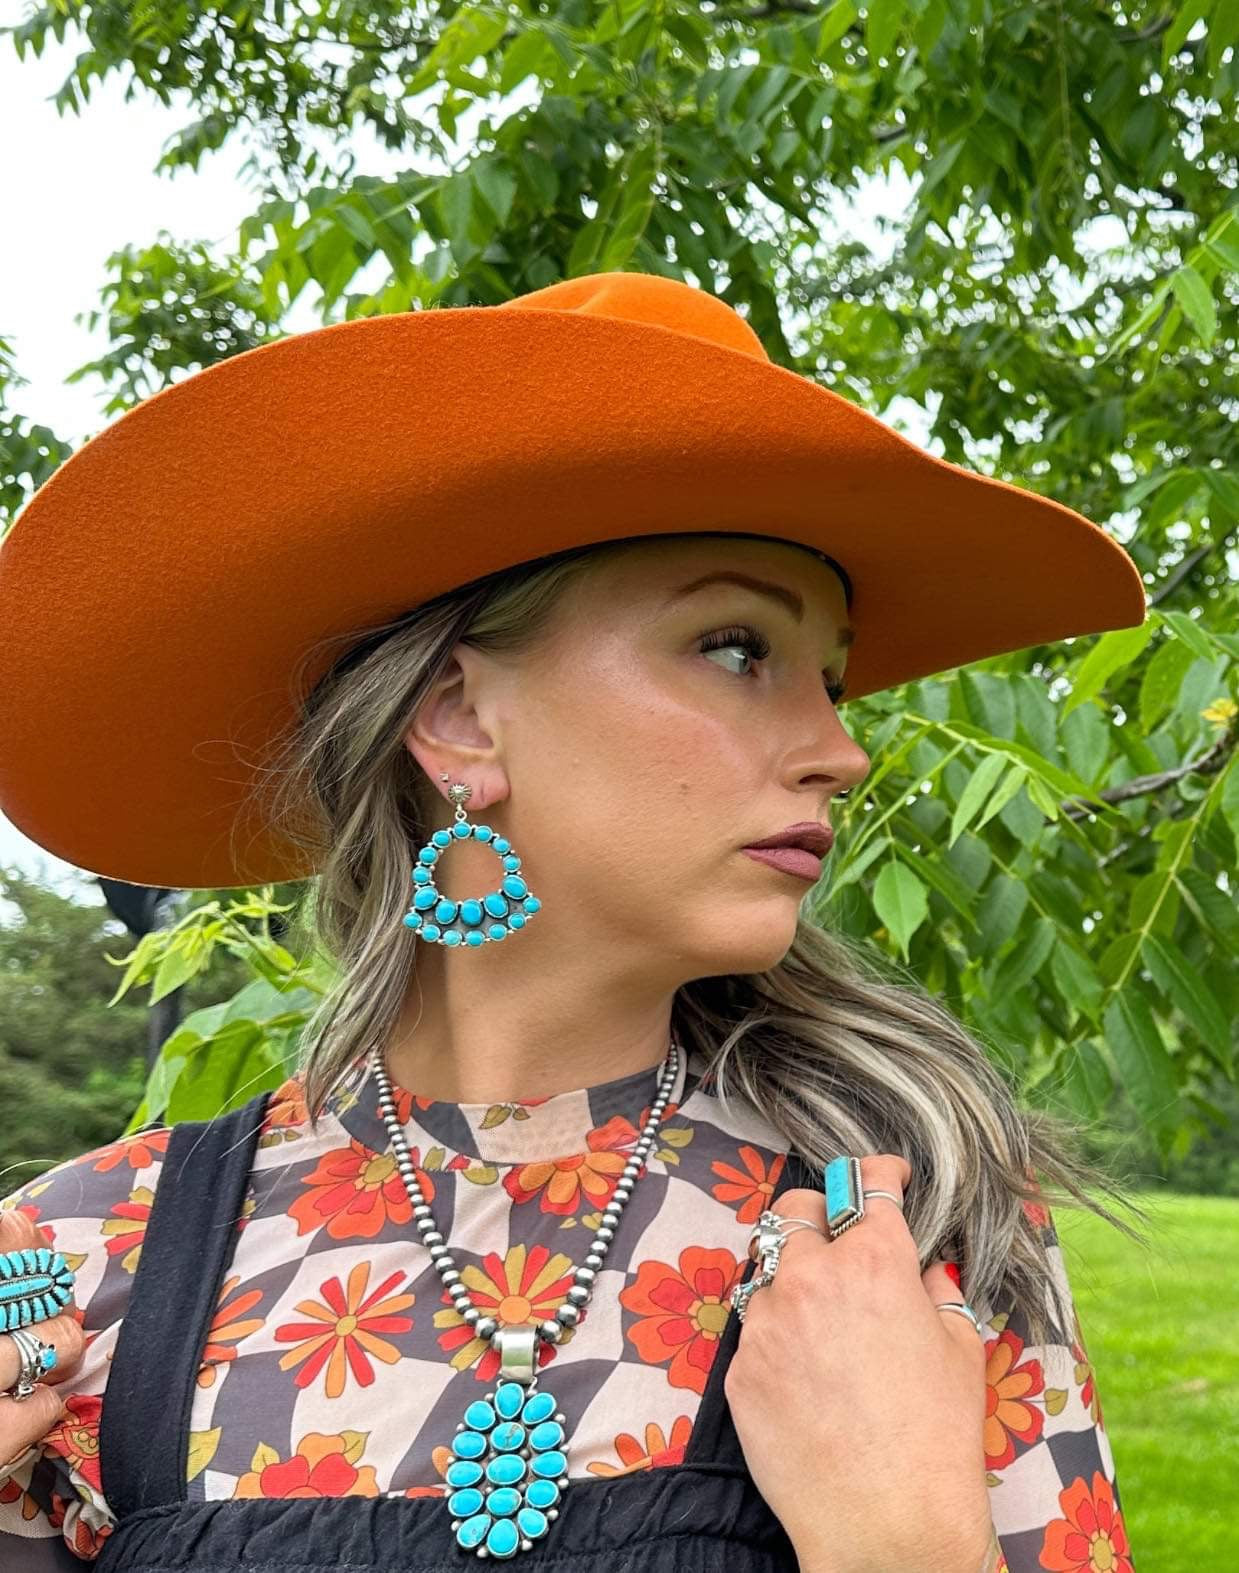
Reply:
x=506 y=1438
x=514 y=886
x=462 y=832
x=512 y=863
x=468 y=1444
x=475 y=938
x=424 y=899
x=495 y=904
x=501 y=844
x=542 y=1493
x=548 y=1465
x=464 y=1504
x=516 y=920
x=538 y=1406
x=442 y=838
x=509 y=1399
x=430 y=931
x=482 y=832
x=422 y=876
x=497 y=931
x=473 y=1531
x=503 y=1539
x=842 y=1201
x=451 y=937
x=479 y=1416
x=428 y=855
x=412 y=920
x=446 y=910
x=463 y=1472
x=471 y=912
x=532 y=1523
x=531 y=904
x=506 y=1469
x=503 y=1502
x=549 y=1434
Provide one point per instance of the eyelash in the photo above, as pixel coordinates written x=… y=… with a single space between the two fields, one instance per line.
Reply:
x=758 y=646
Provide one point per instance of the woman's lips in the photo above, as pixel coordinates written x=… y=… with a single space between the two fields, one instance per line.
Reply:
x=792 y=860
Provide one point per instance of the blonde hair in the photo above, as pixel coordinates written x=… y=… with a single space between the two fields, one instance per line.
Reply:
x=835 y=1047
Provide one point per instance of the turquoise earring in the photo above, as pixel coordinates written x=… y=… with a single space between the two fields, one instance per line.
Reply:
x=434 y=917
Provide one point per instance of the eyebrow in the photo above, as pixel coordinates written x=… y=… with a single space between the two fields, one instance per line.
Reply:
x=787 y=598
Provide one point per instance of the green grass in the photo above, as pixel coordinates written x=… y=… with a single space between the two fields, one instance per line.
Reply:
x=1162 y=1330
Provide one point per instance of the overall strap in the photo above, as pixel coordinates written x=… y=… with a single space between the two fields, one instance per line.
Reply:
x=190 y=1237
x=713 y=1438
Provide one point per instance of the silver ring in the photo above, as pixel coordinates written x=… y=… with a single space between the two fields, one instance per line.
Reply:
x=890 y=1195
x=770 y=1230
x=964 y=1310
x=36 y=1359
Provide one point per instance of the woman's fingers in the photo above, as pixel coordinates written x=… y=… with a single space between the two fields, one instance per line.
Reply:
x=66 y=1338
x=941 y=1289
x=25 y=1421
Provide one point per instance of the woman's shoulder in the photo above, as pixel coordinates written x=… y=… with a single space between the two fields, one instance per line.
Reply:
x=94 y=1209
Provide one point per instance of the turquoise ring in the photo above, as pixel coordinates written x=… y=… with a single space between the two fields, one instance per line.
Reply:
x=35 y=1285
x=845 y=1195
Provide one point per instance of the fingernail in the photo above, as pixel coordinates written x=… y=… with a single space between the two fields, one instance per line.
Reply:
x=954 y=1272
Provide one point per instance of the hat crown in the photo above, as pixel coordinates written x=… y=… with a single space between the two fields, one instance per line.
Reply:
x=645 y=297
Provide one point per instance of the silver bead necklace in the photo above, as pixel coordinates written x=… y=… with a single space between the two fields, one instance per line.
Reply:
x=509 y=1468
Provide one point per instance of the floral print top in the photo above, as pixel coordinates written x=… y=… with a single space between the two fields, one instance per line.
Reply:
x=336 y=1364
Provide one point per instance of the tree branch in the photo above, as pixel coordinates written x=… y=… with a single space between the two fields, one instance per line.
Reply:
x=1209 y=763
x=1187 y=566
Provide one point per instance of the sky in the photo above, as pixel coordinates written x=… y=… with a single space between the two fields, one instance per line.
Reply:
x=84 y=187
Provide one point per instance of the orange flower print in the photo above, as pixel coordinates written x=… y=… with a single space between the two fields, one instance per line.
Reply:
x=138 y=1151
x=526 y=1285
x=286 y=1105
x=405 y=1103
x=752 y=1187
x=11 y=1491
x=322 y=1466
x=87 y=1530
x=1008 y=1386
x=76 y=1438
x=1089 y=1395
x=344 y=1331
x=589 y=1176
x=1091 y=1537
x=354 y=1192
x=228 y=1327
x=683 y=1312
x=657 y=1451
x=127 y=1229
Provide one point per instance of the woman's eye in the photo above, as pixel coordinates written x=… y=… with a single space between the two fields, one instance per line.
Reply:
x=758 y=648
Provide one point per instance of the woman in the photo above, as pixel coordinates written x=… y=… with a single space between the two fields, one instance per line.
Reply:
x=487 y=1244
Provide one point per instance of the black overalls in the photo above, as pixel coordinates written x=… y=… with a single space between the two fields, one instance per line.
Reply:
x=703 y=1515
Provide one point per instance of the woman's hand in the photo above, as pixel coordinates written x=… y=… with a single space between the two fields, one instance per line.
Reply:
x=859 y=1406
x=24 y=1421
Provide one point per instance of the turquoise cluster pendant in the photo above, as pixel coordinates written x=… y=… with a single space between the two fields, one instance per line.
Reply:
x=470 y=922
x=508 y=1471
x=35 y=1284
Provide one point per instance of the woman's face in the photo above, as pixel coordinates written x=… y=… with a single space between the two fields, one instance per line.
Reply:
x=629 y=763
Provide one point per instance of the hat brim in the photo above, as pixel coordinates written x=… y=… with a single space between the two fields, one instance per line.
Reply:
x=158 y=591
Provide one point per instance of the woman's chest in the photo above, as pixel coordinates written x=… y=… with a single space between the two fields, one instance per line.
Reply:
x=336 y=1363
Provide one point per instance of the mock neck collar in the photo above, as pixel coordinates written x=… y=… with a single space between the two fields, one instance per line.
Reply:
x=608 y=1114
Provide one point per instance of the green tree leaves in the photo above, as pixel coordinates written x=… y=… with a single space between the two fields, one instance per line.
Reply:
x=1018 y=222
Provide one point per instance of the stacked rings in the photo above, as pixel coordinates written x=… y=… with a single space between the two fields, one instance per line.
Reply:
x=36 y=1360
x=845 y=1206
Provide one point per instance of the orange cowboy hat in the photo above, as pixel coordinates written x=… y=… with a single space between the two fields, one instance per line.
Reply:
x=158 y=590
